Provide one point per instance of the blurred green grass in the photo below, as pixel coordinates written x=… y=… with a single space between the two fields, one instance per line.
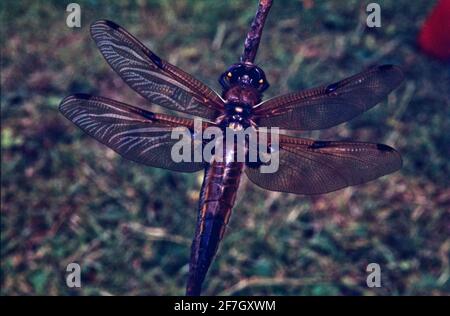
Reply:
x=66 y=198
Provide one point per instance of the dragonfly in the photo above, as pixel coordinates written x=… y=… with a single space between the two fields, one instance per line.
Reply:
x=306 y=166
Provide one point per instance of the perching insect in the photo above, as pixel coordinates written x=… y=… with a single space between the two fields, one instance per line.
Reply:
x=305 y=166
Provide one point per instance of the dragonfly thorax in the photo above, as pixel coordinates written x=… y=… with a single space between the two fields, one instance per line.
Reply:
x=237 y=116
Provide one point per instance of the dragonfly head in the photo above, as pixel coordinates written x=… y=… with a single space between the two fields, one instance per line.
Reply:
x=244 y=75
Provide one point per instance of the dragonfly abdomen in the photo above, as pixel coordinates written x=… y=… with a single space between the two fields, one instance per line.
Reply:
x=217 y=198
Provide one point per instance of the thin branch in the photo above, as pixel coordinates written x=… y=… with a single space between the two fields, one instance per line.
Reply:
x=254 y=35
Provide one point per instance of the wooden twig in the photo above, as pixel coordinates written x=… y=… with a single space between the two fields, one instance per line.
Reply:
x=254 y=35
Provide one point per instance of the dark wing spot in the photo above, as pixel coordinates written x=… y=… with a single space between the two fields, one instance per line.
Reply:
x=319 y=144
x=383 y=147
x=111 y=24
x=82 y=96
x=332 y=87
x=156 y=60
x=385 y=67
x=148 y=115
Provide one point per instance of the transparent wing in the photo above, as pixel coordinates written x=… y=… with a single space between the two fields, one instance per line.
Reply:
x=326 y=106
x=134 y=133
x=314 y=167
x=155 y=79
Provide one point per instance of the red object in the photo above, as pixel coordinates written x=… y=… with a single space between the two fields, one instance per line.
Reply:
x=434 y=37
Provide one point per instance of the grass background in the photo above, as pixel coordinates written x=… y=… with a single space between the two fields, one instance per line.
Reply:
x=66 y=198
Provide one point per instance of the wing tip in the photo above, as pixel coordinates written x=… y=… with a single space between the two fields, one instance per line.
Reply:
x=391 y=68
x=67 y=100
x=383 y=147
x=96 y=26
x=386 y=67
x=108 y=23
x=388 y=149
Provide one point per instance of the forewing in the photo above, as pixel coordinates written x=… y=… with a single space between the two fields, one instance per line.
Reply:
x=155 y=79
x=314 y=167
x=326 y=106
x=134 y=133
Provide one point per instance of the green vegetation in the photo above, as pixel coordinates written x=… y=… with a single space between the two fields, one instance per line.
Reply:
x=66 y=198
